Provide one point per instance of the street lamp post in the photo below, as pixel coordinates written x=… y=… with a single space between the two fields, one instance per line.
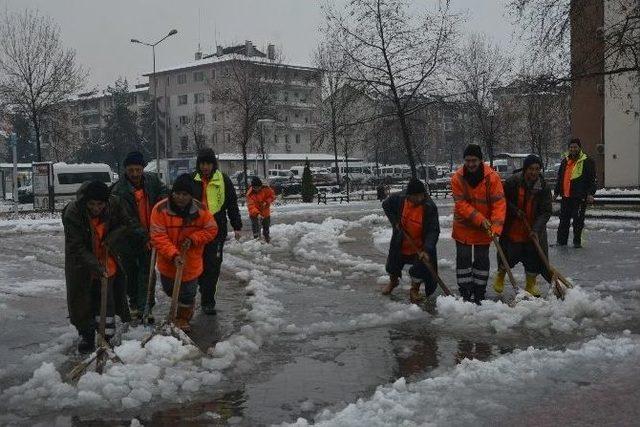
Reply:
x=155 y=102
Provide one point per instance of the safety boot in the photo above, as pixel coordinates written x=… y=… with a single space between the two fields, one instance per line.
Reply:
x=498 y=284
x=184 y=315
x=414 y=293
x=87 y=342
x=465 y=293
x=394 y=281
x=531 y=286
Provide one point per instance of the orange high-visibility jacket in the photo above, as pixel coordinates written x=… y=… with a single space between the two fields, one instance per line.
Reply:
x=474 y=205
x=259 y=202
x=168 y=230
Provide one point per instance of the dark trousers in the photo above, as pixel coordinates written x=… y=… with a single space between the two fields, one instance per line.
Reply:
x=571 y=210
x=419 y=273
x=208 y=281
x=110 y=321
x=188 y=290
x=257 y=223
x=136 y=267
x=472 y=265
x=524 y=252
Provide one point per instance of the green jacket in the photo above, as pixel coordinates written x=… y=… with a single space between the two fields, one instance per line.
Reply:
x=155 y=191
x=80 y=262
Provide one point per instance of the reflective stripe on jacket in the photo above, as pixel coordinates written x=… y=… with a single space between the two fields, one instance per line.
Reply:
x=475 y=204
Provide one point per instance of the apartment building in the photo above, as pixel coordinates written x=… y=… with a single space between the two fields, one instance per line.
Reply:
x=184 y=96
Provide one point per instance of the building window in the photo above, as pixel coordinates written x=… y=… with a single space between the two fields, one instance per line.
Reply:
x=184 y=143
x=277 y=166
x=297 y=115
x=182 y=79
x=199 y=118
x=286 y=119
x=228 y=138
x=168 y=81
x=306 y=119
x=297 y=138
x=85 y=134
x=213 y=74
x=214 y=117
x=198 y=76
x=285 y=96
x=182 y=100
x=198 y=98
x=184 y=120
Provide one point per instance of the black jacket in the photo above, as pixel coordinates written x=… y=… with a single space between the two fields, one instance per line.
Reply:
x=229 y=208
x=392 y=207
x=582 y=186
x=80 y=262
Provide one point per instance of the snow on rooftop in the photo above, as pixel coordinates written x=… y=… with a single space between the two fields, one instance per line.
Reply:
x=225 y=58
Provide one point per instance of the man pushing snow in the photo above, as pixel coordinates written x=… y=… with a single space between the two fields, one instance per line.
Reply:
x=414 y=218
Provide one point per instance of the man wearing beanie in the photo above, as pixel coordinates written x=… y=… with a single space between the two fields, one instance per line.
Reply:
x=259 y=199
x=180 y=229
x=415 y=214
x=94 y=226
x=576 y=184
x=528 y=207
x=139 y=192
x=216 y=192
x=479 y=214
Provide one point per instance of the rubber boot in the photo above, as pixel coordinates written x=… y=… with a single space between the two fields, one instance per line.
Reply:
x=393 y=283
x=184 y=315
x=478 y=294
x=531 y=286
x=414 y=293
x=498 y=284
x=465 y=293
x=87 y=342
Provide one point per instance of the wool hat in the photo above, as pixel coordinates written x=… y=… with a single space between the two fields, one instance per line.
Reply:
x=473 y=150
x=184 y=183
x=415 y=186
x=575 y=141
x=529 y=160
x=134 y=158
x=207 y=155
x=256 y=182
x=97 y=190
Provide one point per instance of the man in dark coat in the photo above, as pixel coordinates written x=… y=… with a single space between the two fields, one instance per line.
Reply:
x=93 y=224
x=139 y=192
x=412 y=214
x=576 y=184
x=528 y=206
x=216 y=192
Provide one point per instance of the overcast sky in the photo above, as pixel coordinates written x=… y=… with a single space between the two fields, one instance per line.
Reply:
x=100 y=30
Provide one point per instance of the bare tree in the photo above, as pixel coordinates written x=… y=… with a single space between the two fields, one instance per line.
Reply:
x=479 y=69
x=36 y=71
x=247 y=90
x=62 y=142
x=394 y=53
x=196 y=127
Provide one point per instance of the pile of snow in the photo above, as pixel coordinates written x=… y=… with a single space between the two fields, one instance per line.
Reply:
x=31 y=225
x=629 y=286
x=475 y=392
x=580 y=311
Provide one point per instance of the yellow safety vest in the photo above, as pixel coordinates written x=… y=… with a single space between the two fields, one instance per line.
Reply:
x=215 y=191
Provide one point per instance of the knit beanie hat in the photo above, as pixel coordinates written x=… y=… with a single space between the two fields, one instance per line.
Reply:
x=473 y=150
x=207 y=155
x=134 y=158
x=97 y=190
x=415 y=186
x=183 y=183
x=529 y=160
x=256 y=182
x=575 y=141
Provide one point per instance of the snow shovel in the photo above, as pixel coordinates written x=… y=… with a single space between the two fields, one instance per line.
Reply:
x=168 y=327
x=104 y=351
x=505 y=264
x=558 y=289
x=151 y=287
x=422 y=256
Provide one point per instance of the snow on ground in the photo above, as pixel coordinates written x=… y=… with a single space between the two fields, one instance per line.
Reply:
x=581 y=311
x=476 y=393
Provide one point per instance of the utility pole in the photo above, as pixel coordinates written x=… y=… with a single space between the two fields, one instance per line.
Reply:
x=14 y=151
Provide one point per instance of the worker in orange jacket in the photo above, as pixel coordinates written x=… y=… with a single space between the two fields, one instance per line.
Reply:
x=259 y=199
x=479 y=214
x=181 y=223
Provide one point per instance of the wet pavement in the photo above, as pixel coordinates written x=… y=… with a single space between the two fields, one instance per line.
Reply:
x=330 y=355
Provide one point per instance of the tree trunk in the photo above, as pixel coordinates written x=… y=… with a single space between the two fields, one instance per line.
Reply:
x=36 y=128
x=334 y=137
x=407 y=141
x=346 y=165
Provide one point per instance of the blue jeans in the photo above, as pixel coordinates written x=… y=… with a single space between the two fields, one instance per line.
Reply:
x=188 y=290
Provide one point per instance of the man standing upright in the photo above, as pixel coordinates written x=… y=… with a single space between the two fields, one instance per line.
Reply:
x=479 y=214
x=216 y=192
x=140 y=191
x=576 y=184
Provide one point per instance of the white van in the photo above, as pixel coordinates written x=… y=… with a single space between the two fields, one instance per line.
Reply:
x=297 y=171
x=68 y=177
x=280 y=173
